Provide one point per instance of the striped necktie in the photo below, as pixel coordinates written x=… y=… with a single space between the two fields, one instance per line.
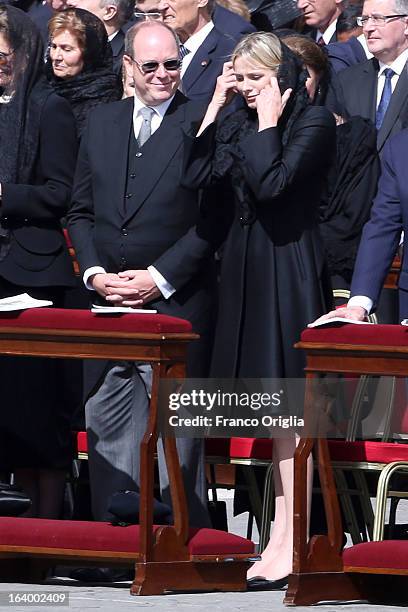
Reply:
x=184 y=51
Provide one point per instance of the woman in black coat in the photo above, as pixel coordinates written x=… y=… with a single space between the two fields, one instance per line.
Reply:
x=37 y=161
x=270 y=161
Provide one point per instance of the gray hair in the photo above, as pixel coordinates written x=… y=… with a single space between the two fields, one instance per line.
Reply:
x=401 y=6
x=125 y=8
x=132 y=32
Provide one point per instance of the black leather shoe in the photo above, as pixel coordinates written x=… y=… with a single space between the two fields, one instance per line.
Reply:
x=102 y=574
x=263 y=584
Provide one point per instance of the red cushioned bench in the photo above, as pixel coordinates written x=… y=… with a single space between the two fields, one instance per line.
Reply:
x=172 y=557
x=321 y=571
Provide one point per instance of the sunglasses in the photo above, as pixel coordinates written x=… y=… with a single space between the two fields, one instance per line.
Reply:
x=5 y=58
x=171 y=65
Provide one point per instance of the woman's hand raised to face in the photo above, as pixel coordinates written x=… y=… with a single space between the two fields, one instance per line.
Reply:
x=223 y=94
x=225 y=87
x=270 y=104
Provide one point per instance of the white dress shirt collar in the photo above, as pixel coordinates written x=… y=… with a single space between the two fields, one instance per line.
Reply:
x=328 y=33
x=397 y=65
x=363 y=42
x=194 y=43
x=112 y=36
x=160 y=110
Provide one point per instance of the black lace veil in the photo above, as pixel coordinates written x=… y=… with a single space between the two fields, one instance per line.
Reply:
x=23 y=98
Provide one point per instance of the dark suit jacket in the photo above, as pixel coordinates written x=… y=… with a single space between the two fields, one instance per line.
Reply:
x=345 y=54
x=200 y=77
x=381 y=234
x=231 y=23
x=38 y=255
x=356 y=94
x=118 y=48
x=164 y=228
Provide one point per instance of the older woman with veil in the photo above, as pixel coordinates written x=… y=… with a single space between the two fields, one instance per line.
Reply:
x=37 y=161
x=79 y=64
x=269 y=161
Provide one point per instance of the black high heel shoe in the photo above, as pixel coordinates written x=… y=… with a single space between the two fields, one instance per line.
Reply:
x=263 y=584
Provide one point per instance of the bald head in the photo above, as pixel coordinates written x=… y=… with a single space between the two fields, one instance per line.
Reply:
x=148 y=29
x=152 y=61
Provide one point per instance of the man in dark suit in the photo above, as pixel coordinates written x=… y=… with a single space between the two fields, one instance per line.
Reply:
x=321 y=17
x=115 y=14
x=378 y=89
x=342 y=55
x=205 y=49
x=381 y=236
x=140 y=238
x=230 y=22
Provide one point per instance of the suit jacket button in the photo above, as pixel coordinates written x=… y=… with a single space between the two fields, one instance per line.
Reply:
x=124 y=232
x=128 y=195
x=133 y=175
x=138 y=154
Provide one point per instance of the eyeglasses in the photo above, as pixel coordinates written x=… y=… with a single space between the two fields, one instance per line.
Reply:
x=378 y=20
x=171 y=65
x=5 y=57
x=142 y=15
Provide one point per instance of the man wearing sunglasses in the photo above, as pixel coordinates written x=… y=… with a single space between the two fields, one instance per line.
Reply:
x=378 y=88
x=141 y=241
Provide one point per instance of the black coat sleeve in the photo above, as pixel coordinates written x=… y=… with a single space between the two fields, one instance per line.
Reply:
x=81 y=215
x=49 y=198
x=271 y=169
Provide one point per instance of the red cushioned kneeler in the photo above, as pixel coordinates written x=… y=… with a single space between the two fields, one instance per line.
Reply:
x=62 y=319
x=93 y=536
x=167 y=557
x=381 y=335
x=387 y=555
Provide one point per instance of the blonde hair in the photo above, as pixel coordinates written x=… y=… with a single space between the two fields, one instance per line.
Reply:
x=262 y=48
x=236 y=6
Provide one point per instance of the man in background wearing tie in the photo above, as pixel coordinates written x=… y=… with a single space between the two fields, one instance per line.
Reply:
x=205 y=48
x=378 y=88
x=321 y=16
x=141 y=239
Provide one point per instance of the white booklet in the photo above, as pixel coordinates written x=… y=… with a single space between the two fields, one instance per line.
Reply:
x=21 y=302
x=338 y=320
x=96 y=309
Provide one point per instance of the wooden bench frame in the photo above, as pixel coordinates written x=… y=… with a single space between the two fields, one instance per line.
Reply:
x=163 y=561
x=318 y=572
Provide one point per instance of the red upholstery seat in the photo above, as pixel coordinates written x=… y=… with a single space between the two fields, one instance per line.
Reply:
x=87 y=535
x=251 y=448
x=387 y=554
x=392 y=335
x=362 y=450
x=60 y=318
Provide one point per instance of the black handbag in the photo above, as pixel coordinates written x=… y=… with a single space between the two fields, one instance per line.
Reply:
x=13 y=500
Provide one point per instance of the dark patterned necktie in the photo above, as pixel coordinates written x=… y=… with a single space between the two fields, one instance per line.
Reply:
x=146 y=129
x=321 y=42
x=385 y=98
x=184 y=51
